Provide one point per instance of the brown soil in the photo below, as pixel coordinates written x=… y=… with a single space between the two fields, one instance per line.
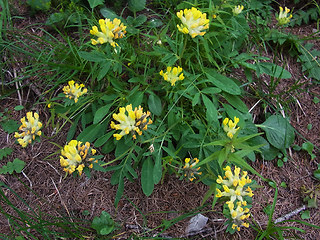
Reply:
x=45 y=188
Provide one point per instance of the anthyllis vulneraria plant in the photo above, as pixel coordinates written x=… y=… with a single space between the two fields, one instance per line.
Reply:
x=282 y=18
x=235 y=190
x=134 y=122
x=194 y=22
x=190 y=168
x=74 y=91
x=75 y=156
x=237 y=10
x=30 y=129
x=110 y=30
x=229 y=126
x=172 y=75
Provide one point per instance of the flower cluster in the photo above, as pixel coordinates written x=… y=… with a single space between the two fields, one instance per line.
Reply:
x=76 y=156
x=172 y=75
x=237 y=10
x=193 y=22
x=190 y=168
x=134 y=121
x=283 y=18
x=74 y=91
x=110 y=30
x=229 y=126
x=30 y=129
x=234 y=188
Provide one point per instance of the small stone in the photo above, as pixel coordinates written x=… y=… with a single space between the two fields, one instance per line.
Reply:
x=196 y=224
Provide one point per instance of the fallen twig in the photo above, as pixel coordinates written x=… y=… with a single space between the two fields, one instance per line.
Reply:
x=290 y=214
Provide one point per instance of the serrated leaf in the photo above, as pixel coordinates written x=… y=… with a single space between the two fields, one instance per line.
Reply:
x=4 y=152
x=9 y=126
x=147 y=176
x=94 y=3
x=279 y=132
x=154 y=104
x=18 y=165
x=136 y=5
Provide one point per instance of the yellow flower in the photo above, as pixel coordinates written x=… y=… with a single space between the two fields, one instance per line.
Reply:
x=282 y=17
x=76 y=156
x=172 y=75
x=134 y=121
x=110 y=30
x=74 y=90
x=193 y=22
x=234 y=185
x=230 y=127
x=237 y=10
x=238 y=215
x=30 y=129
x=191 y=169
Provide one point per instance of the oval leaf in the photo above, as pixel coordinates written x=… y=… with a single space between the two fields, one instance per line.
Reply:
x=154 y=104
x=147 y=177
x=224 y=83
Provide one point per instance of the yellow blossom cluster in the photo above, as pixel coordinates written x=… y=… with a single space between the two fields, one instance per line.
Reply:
x=193 y=22
x=172 y=75
x=229 y=126
x=110 y=30
x=134 y=121
x=76 y=156
x=30 y=129
x=237 y=10
x=283 y=17
x=190 y=168
x=74 y=91
x=234 y=188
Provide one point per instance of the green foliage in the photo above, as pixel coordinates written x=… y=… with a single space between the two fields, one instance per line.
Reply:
x=136 y=5
x=39 y=5
x=94 y=3
x=16 y=166
x=310 y=62
x=9 y=125
x=4 y=152
x=103 y=224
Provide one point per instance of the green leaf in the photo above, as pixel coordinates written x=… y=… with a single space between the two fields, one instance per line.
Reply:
x=157 y=170
x=154 y=104
x=18 y=108
x=305 y=214
x=147 y=177
x=212 y=113
x=308 y=146
x=94 y=3
x=92 y=132
x=236 y=102
x=4 y=152
x=18 y=165
x=73 y=129
x=93 y=56
x=224 y=83
x=136 y=5
x=108 y=13
x=279 y=132
x=274 y=70
x=103 y=139
x=119 y=190
x=138 y=21
x=316 y=173
x=103 y=224
x=9 y=126
x=101 y=113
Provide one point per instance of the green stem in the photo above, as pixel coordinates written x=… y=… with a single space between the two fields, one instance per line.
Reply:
x=183 y=49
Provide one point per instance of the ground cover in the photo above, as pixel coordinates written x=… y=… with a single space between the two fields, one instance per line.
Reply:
x=247 y=63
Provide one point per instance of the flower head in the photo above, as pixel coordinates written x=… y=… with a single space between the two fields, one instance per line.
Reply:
x=75 y=156
x=30 y=129
x=193 y=22
x=234 y=188
x=282 y=17
x=74 y=90
x=230 y=127
x=234 y=185
x=134 y=121
x=110 y=30
x=190 y=168
x=172 y=75
x=237 y=10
